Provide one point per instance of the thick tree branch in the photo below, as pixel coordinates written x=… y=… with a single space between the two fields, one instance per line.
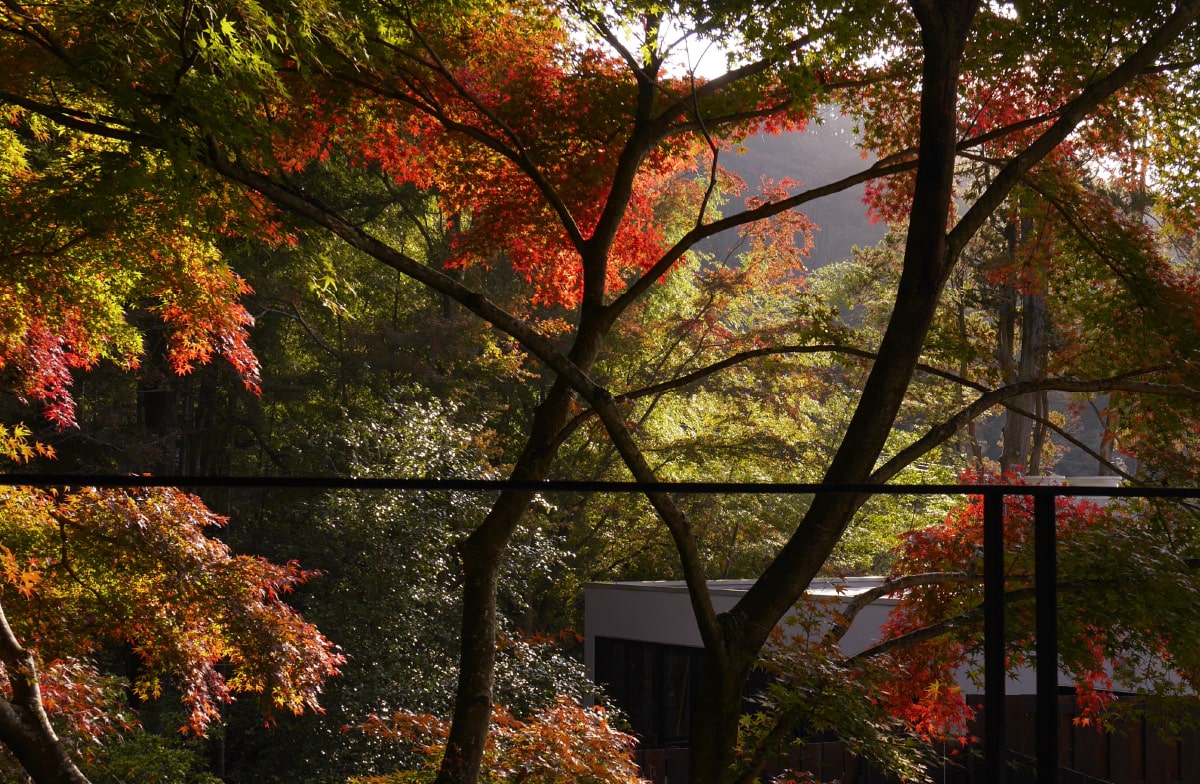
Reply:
x=85 y=122
x=676 y=521
x=941 y=432
x=768 y=210
x=24 y=725
x=972 y=616
x=935 y=630
x=309 y=208
x=1069 y=117
x=605 y=31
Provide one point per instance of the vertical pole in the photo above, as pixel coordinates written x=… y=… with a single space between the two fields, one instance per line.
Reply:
x=1046 y=576
x=993 y=638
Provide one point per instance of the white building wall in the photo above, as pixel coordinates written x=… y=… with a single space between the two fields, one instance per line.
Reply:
x=661 y=612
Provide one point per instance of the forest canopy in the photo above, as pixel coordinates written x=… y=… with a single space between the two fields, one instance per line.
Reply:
x=475 y=239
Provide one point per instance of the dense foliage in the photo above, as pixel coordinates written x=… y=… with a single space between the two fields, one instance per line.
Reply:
x=468 y=238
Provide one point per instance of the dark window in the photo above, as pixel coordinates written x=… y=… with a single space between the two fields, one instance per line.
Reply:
x=654 y=684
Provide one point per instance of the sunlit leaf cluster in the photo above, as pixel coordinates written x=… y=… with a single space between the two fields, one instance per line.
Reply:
x=85 y=569
x=1126 y=583
x=560 y=744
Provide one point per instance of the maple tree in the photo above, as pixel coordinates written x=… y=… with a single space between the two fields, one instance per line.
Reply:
x=553 y=153
x=1124 y=596
x=90 y=251
x=561 y=743
x=86 y=568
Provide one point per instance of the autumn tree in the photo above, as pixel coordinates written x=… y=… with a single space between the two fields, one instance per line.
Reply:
x=90 y=260
x=1123 y=602
x=87 y=568
x=552 y=136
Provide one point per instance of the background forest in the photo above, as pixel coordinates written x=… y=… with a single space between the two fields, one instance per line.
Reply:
x=865 y=243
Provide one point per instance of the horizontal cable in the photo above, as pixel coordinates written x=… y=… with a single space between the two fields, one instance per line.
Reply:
x=577 y=486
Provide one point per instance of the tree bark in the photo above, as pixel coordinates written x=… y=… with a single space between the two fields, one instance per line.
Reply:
x=482 y=553
x=717 y=715
x=463 y=759
x=24 y=726
x=1020 y=444
x=927 y=262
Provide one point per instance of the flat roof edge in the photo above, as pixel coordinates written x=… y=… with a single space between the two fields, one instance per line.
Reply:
x=847 y=585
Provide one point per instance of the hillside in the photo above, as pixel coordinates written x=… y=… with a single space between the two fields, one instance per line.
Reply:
x=822 y=154
x=819 y=155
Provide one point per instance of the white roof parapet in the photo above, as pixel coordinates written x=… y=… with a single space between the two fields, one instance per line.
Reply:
x=660 y=610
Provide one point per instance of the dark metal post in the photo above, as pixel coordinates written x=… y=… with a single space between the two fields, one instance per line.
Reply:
x=1046 y=575
x=993 y=638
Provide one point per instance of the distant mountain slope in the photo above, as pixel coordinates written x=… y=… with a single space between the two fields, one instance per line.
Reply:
x=821 y=154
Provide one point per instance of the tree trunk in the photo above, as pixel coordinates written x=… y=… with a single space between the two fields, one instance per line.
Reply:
x=477 y=658
x=717 y=713
x=927 y=263
x=1041 y=432
x=482 y=553
x=1108 y=442
x=1018 y=438
x=24 y=726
